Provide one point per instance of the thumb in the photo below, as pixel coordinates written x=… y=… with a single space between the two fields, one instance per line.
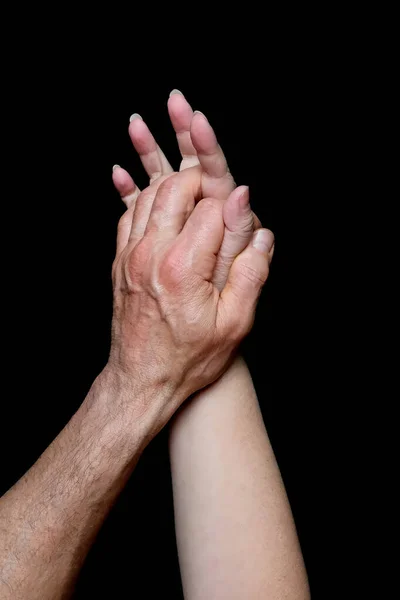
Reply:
x=247 y=275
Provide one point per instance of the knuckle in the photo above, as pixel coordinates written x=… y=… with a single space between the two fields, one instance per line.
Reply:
x=146 y=197
x=241 y=225
x=168 y=186
x=233 y=244
x=225 y=259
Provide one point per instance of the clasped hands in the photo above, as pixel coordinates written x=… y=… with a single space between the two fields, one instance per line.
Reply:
x=190 y=263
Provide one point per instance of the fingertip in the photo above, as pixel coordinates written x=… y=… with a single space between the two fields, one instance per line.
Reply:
x=135 y=116
x=141 y=136
x=236 y=207
x=244 y=197
x=203 y=136
x=180 y=112
x=123 y=182
x=117 y=174
x=136 y=124
x=198 y=112
x=263 y=241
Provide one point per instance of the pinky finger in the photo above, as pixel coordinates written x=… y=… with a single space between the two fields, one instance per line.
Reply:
x=125 y=185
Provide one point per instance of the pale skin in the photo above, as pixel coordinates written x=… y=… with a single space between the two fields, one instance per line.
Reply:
x=235 y=532
x=175 y=330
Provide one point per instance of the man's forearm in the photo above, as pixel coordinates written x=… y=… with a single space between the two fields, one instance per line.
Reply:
x=235 y=531
x=50 y=517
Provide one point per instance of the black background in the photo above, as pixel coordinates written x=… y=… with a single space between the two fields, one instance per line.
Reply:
x=66 y=126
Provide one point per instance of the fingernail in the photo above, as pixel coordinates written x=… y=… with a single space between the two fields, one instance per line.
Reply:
x=175 y=92
x=263 y=240
x=244 y=198
x=135 y=116
x=198 y=112
x=116 y=167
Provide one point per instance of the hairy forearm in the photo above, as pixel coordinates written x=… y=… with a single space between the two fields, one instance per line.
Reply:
x=50 y=517
x=235 y=532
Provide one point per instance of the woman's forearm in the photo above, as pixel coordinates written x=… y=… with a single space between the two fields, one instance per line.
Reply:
x=235 y=532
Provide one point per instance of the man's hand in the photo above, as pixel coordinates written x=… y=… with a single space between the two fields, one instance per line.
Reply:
x=172 y=327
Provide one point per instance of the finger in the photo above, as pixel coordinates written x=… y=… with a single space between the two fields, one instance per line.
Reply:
x=174 y=202
x=240 y=222
x=151 y=155
x=217 y=180
x=125 y=185
x=129 y=192
x=247 y=275
x=181 y=113
x=239 y=227
x=143 y=208
x=201 y=237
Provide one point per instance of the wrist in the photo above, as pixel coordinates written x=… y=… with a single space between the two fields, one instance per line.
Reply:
x=127 y=410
